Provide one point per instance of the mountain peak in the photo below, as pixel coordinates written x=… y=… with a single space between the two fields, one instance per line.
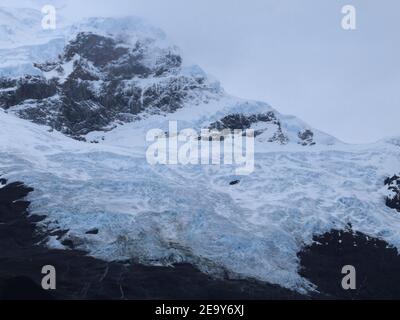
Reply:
x=113 y=71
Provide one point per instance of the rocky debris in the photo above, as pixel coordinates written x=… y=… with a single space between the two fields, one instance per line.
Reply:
x=243 y=122
x=306 y=138
x=393 y=184
x=169 y=62
x=68 y=243
x=279 y=136
x=97 y=83
x=6 y=83
x=376 y=264
x=79 y=276
x=93 y=231
x=59 y=234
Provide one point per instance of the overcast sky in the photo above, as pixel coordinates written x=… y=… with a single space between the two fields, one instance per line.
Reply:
x=292 y=54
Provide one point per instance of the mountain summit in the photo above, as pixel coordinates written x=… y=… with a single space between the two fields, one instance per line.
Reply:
x=114 y=71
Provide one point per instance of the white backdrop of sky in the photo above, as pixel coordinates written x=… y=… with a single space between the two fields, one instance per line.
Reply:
x=292 y=54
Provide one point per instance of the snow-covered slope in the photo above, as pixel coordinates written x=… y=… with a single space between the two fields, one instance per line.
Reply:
x=131 y=80
x=23 y=41
x=21 y=27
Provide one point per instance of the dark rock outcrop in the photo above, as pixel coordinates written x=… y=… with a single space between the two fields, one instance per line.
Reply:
x=243 y=122
x=26 y=88
x=306 y=138
x=93 y=231
x=393 y=184
x=95 y=48
x=95 y=85
x=376 y=264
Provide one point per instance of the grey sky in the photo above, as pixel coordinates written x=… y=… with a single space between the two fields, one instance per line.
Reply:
x=292 y=54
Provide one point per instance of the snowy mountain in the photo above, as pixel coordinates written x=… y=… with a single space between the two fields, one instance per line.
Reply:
x=113 y=71
x=112 y=81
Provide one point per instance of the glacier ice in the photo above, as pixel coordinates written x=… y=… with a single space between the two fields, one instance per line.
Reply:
x=167 y=214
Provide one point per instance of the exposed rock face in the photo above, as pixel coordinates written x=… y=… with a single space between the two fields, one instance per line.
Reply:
x=13 y=92
x=97 y=83
x=279 y=136
x=375 y=262
x=393 y=201
x=94 y=48
x=102 y=80
x=243 y=122
x=306 y=138
x=114 y=71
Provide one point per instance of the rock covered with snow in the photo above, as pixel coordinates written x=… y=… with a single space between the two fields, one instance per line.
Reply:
x=114 y=71
x=393 y=199
x=99 y=81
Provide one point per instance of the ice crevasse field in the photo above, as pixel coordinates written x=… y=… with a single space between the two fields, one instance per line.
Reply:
x=166 y=214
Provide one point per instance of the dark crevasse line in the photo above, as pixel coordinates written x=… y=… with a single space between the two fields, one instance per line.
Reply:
x=82 y=277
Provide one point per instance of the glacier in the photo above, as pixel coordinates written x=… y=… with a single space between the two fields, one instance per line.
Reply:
x=159 y=215
x=166 y=214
